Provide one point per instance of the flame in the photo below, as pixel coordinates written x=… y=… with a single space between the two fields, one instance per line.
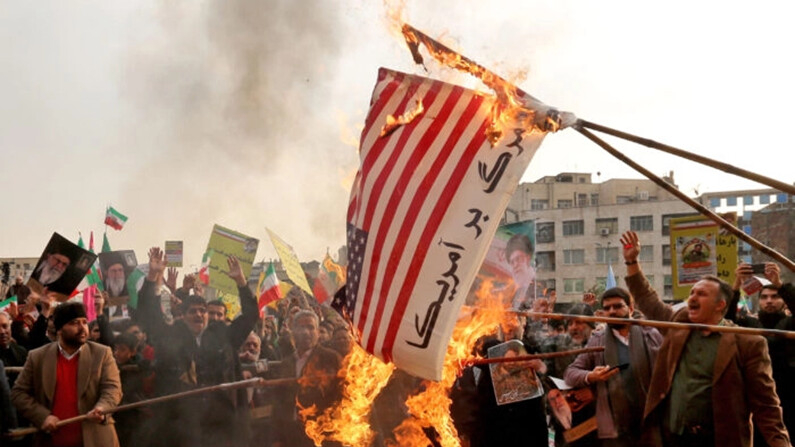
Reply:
x=393 y=123
x=363 y=376
x=431 y=407
x=513 y=108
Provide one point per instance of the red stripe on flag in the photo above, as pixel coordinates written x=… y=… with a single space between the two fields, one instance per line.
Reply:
x=418 y=257
x=399 y=188
x=374 y=154
x=419 y=201
x=386 y=94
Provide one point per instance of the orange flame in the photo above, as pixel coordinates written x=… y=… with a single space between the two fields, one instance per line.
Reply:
x=513 y=107
x=363 y=376
x=431 y=407
x=393 y=123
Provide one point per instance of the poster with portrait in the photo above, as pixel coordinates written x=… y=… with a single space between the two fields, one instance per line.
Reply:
x=509 y=267
x=60 y=268
x=573 y=409
x=116 y=267
x=699 y=247
x=513 y=381
x=224 y=243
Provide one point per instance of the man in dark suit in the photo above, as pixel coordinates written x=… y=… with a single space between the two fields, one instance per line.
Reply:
x=316 y=368
x=706 y=385
x=192 y=353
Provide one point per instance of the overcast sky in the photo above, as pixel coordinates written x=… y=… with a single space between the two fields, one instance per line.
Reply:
x=183 y=114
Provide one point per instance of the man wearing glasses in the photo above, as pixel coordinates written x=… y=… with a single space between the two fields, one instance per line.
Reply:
x=621 y=373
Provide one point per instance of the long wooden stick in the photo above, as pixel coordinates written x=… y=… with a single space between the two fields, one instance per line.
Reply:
x=681 y=196
x=248 y=383
x=663 y=324
x=473 y=361
x=725 y=167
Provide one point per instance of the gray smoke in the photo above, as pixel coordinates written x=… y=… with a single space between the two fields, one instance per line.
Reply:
x=231 y=110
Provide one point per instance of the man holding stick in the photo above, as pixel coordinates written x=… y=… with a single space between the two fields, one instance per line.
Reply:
x=705 y=385
x=621 y=373
x=67 y=379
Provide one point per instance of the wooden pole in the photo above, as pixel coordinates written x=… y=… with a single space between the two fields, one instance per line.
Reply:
x=664 y=324
x=681 y=196
x=473 y=361
x=725 y=167
x=248 y=383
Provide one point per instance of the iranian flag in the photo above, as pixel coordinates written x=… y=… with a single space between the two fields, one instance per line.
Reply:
x=204 y=271
x=114 y=218
x=268 y=289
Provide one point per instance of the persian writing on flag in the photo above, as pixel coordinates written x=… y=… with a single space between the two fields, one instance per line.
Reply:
x=425 y=204
x=699 y=247
x=114 y=219
x=224 y=243
x=174 y=253
x=290 y=262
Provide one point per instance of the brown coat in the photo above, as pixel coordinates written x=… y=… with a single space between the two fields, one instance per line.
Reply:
x=742 y=382
x=97 y=383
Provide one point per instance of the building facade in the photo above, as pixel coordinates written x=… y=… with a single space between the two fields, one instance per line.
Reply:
x=579 y=223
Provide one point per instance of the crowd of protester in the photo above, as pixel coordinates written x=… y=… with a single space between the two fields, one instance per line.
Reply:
x=670 y=387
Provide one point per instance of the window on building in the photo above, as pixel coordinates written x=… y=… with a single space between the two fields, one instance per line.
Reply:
x=714 y=202
x=747 y=216
x=764 y=199
x=606 y=255
x=666 y=255
x=564 y=203
x=573 y=227
x=731 y=201
x=781 y=197
x=545 y=261
x=646 y=253
x=607 y=226
x=623 y=199
x=573 y=285
x=572 y=257
x=545 y=232
x=537 y=204
x=545 y=284
x=582 y=200
x=747 y=229
x=641 y=223
x=594 y=199
x=748 y=200
x=668 y=288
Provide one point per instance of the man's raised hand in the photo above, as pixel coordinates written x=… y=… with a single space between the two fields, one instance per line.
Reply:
x=157 y=264
x=236 y=271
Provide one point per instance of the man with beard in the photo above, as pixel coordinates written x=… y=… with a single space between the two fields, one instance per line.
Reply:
x=519 y=254
x=621 y=372
x=20 y=290
x=66 y=379
x=51 y=269
x=192 y=353
x=774 y=299
x=706 y=386
x=115 y=282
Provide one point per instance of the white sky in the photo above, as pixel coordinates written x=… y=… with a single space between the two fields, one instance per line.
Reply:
x=185 y=114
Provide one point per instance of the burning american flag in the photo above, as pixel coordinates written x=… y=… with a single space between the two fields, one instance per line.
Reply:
x=439 y=164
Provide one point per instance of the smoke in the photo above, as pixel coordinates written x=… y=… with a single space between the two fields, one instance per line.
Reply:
x=232 y=119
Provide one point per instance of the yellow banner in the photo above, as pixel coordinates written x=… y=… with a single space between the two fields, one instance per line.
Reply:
x=224 y=243
x=699 y=247
x=290 y=262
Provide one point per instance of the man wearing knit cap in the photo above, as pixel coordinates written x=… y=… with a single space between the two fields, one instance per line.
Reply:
x=67 y=378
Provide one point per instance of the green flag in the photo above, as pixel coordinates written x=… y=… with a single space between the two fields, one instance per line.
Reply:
x=134 y=283
x=105 y=244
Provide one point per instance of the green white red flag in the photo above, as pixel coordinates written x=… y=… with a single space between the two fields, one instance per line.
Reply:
x=114 y=219
x=268 y=289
